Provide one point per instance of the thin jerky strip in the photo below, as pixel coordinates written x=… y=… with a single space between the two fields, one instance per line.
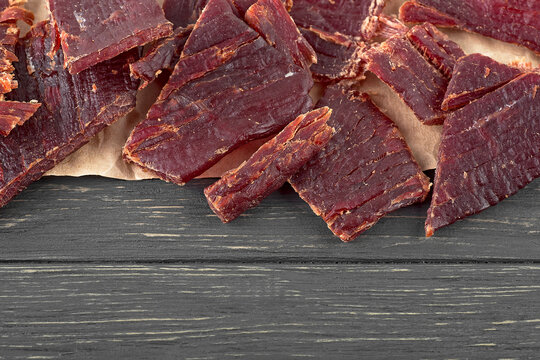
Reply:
x=442 y=52
x=163 y=56
x=489 y=150
x=365 y=171
x=513 y=21
x=269 y=167
x=338 y=57
x=474 y=76
x=357 y=19
x=13 y=113
x=421 y=86
x=93 y=31
x=75 y=108
x=219 y=98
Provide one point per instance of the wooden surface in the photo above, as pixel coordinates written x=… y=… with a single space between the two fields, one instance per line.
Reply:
x=95 y=268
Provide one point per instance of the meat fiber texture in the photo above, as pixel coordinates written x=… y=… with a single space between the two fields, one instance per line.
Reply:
x=415 y=66
x=474 y=76
x=513 y=21
x=364 y=172
x=271 y=166
x=102 y=156
x=232 y=85
x=93 y=31
x=76 y=107
x=12 y=113
x=489 y=150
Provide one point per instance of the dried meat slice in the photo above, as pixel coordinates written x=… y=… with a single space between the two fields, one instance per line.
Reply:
x=75 y=107
x=163 y=56
x=513 y=21
x=442 y=52
x=364 y=172
x=93 y=31
x=219 y=98
x=269 y=167
x=489 y=150
x=357 y=19
x=421 y=86
x=13 y=113
x=338 y=57
x=183 y=12
x=474 y=76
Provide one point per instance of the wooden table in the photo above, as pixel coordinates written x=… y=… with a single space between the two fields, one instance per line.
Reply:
x=95 y=268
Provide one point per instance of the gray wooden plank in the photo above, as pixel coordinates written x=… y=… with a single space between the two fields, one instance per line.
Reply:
x=269 y=311
x=96 y=219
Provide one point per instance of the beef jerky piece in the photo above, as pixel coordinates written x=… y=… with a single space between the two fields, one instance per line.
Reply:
x=218 y=99
x=357 y=19
x=93 y=31
x=513 y=21
x=14 y=13
x=442 y=52
x=421 y=86
x=163 y=56
x=75 y=108
x=489 y=150
x=269 y=167
x=272 y=21
x=13 y=113
x=338 y=57
x=474 y=76
x=389 y=26
x=365 y=171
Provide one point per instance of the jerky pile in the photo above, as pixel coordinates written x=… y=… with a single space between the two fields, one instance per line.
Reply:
x=241 y=70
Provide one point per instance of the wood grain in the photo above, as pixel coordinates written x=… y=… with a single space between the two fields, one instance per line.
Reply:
x=96 y=219
x=269 y=311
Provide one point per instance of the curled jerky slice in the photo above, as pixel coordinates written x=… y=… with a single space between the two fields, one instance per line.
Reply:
x=364 y=172
x=489 y=150
x=75 y=108
x=474 y=76
x=226 y=90
x=513 y=21
x=92 y=31
x=270 y=166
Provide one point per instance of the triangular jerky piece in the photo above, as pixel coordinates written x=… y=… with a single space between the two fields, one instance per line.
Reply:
x=271 y=166
x=93 y=31
x=474 y=76
x=489 y=150
x=75 y=108
x=364 y=172
x=220 y=98
x=13 y=113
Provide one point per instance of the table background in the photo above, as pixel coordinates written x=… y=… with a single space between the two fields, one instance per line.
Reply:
x=107 y=269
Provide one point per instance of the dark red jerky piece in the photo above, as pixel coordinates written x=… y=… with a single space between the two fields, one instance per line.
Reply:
x=442 y=52
x=474 y=76
x=163 y=56
x=269 y=167
x=218 y=99
x=183 y=12
x=75 y=108
x=489 y=150
x=93 y=31
x=338 y=57
x=421 y=86
x=365 y=171
x=357 y=19
x=13 y=113
x=388 y=26
x=513 y=21
x=272 y=21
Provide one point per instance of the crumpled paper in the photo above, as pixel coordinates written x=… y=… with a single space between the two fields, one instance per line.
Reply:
x=103 y=154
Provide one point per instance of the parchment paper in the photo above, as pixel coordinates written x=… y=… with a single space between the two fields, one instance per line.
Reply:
x=102 y=155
